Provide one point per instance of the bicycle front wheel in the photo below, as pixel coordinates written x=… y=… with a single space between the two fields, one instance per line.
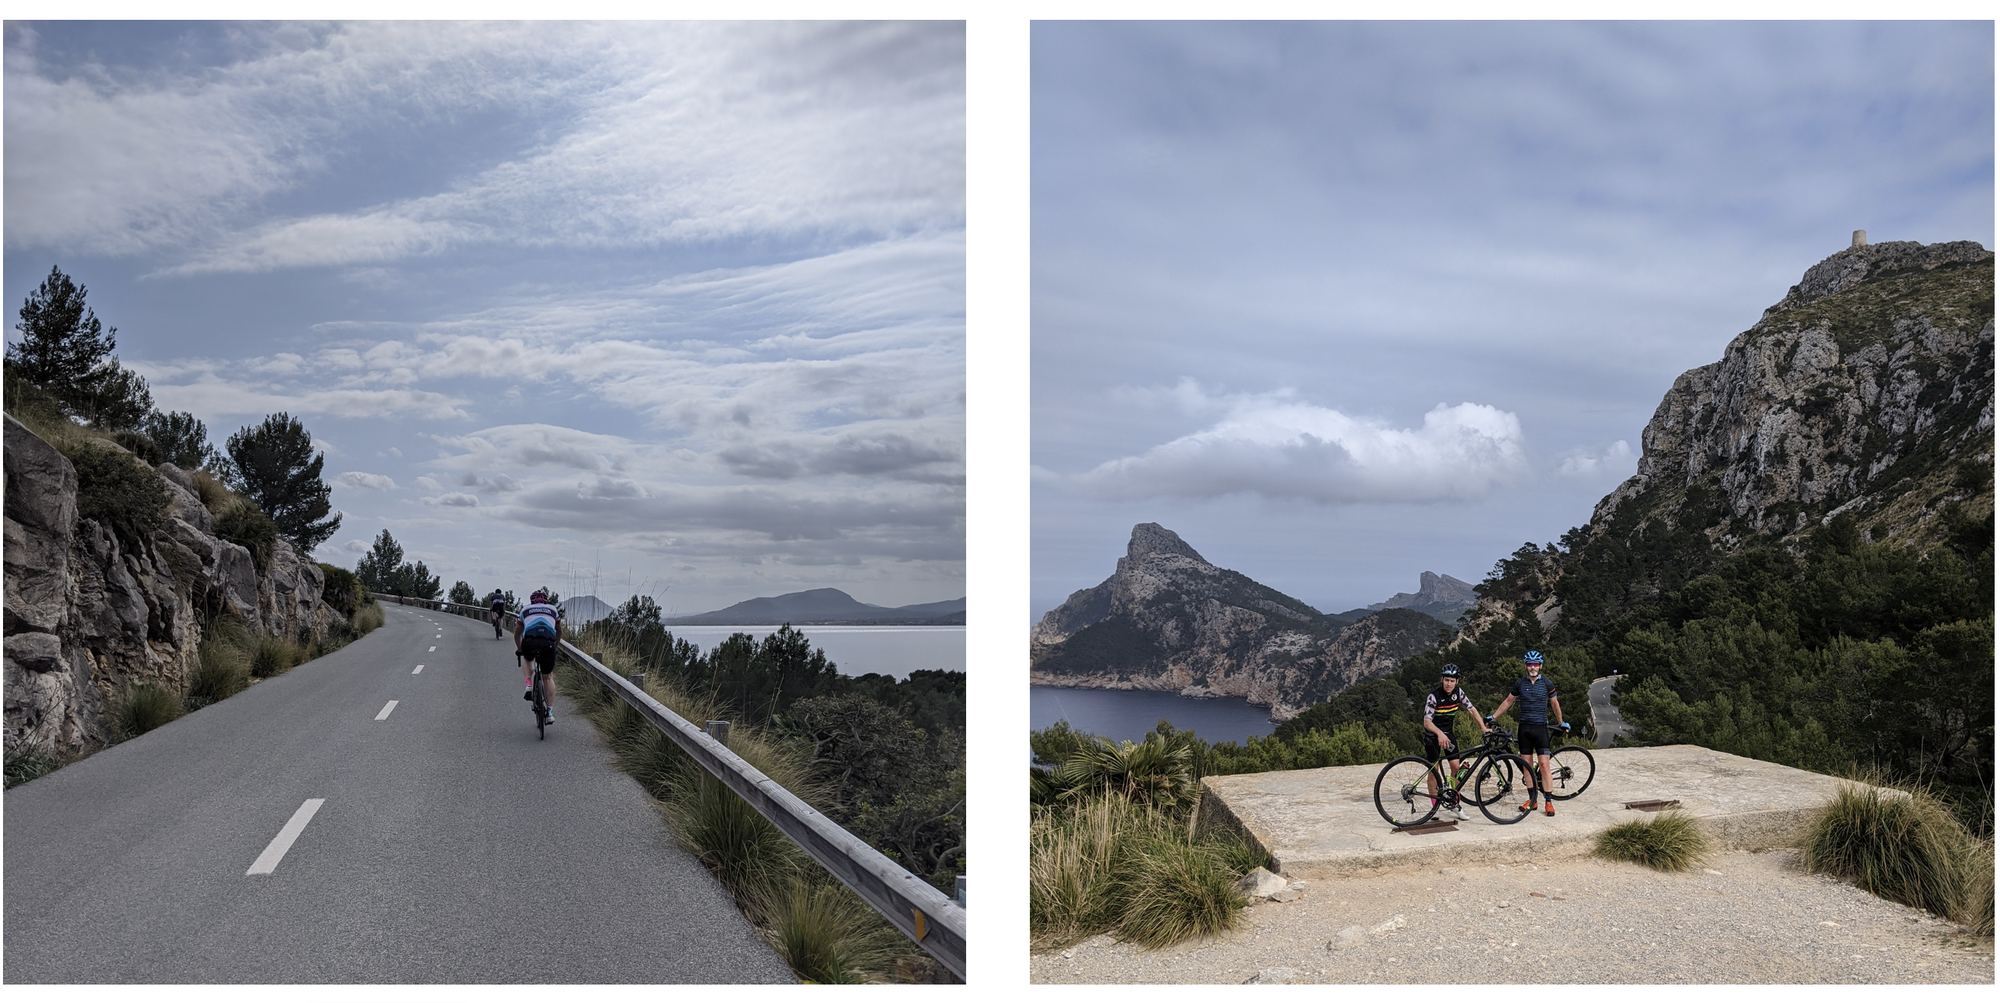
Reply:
x=1406 y=791
x=1570 y=771
x=1501 y=788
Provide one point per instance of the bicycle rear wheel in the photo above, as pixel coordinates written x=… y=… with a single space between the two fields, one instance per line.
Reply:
x=541 y=709
x=1406 y=791
x=1498 y=784
x=1570 y=771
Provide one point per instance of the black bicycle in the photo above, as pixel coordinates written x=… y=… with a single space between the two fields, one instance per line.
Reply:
x=1571 y=769
x=535 y=697
x=498 y=615
x=1410 y=789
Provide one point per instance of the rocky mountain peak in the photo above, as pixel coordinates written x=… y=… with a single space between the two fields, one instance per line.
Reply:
x=1153 y=538
x=1851 y=267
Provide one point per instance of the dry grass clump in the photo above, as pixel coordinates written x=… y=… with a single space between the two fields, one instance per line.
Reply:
x=145 y=707
x=368 y=617
x=1905 y=846
x=825 y=932
x=273 y=656
x=1108 y=863
x=1669 y=841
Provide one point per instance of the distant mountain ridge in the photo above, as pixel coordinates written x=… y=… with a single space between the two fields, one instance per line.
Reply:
x=825 y=607
x=1169 y=620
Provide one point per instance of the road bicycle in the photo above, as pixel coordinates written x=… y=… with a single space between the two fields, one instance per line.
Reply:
x=1410 y=789
x=535 y=697
x=1571 y=769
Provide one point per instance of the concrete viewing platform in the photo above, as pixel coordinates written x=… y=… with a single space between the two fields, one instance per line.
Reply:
x=1322 y=822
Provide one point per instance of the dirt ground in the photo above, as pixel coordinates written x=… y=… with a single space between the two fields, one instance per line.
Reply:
x=1742 y=918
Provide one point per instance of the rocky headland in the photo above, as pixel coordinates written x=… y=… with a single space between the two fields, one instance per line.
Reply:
x=1168 y=620
x=1867 y=391
x=89 y=616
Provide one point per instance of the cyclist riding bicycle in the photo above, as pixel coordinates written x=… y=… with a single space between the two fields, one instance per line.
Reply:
x=1538 y=700
x=537 y=631
x=1440 y=713
x=497 y=603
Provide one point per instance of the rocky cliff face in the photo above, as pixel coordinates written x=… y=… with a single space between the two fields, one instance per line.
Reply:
x=1441 y=596
x=87 y=618
x=1867 y=390
x=1169 y=620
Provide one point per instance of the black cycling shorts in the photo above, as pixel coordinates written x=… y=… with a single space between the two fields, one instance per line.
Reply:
x=1535 y=739
x=541 y=651
x=1432 y=751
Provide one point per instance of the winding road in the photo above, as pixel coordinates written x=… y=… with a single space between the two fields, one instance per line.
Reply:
x=384 y=814
x=1603 y=716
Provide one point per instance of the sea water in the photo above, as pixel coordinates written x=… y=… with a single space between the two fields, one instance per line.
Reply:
x=858 y=649
x=1126 y=715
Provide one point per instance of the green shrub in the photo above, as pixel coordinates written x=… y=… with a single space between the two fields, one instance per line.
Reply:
x=367 y=618
x=245 y=524
x=341 y=590
x=273 y=656
x=145 y=707
x=139 y=445
x=1175 y=889
x=128 y=497
x=1906 y=847
x=1669 y=841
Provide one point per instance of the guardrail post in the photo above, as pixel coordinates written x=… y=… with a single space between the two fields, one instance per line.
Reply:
x=718 y=730
x=638 y=679
x=959 y=895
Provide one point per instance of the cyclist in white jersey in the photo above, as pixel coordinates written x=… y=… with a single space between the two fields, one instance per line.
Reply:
x=537 y=632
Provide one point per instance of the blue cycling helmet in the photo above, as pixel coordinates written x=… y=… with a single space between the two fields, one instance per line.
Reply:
x=1449 y=670
x=1532 y=658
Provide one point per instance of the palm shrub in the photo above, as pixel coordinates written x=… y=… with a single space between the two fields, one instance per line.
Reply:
x=1669 y=841
x=1905 y=846
x=145 y=707
x=1158 y=772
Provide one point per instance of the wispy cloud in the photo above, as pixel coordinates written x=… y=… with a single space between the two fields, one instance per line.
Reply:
x=1277 y=447
x=367 y=481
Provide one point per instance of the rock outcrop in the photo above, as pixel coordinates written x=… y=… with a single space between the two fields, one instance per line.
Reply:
x=1440 y=596
x=1169 y=620
x=1866 y=391
x=87 y=616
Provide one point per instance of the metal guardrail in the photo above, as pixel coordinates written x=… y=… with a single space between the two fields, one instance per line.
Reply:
x=925 y=915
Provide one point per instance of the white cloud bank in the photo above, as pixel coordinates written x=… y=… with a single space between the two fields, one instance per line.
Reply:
x=367 y=481
x=1279 y=448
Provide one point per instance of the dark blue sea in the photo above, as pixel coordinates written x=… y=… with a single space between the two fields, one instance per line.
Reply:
x=1127 y=715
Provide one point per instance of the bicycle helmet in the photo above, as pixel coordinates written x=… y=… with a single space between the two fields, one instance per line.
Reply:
x=1449 y=671
x=1532 y=658
x=539 y=595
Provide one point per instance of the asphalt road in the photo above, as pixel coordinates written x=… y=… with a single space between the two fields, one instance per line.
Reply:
x=1603 y=716
x=450 y=845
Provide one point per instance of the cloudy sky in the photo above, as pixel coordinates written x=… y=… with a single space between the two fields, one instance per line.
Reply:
x=1345 y=302
x=681 y=306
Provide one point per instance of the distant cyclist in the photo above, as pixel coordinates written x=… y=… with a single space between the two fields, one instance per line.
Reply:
x=497 y=602
x=537 y=630
x=1440 y=713
x=1538 y=700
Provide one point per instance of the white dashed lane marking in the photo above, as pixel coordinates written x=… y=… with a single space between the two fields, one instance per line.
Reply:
x=268 y=860
x=416 y=670
x=434 y=647
x=386 y=708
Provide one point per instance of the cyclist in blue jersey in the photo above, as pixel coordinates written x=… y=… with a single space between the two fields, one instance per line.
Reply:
x=1441 y=709
x=537 y=631
x=1538 y=700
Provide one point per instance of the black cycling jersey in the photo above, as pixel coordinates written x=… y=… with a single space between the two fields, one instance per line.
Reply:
x=1535 y=695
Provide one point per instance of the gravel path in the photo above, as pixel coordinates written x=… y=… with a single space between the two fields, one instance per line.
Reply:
x=1744 y=918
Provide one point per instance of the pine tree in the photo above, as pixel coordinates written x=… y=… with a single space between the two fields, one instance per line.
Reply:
x=275 y=466
x=63 y=351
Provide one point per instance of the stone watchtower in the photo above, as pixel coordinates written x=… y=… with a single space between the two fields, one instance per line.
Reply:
x=1860 y=239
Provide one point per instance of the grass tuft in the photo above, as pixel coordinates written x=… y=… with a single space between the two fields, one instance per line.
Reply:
x=367 y=618
x=1669 y=841
x=145 y=707
x=1904 y=846
x=1107 y=863
x=273 y=656
x=30 y=759
x=829 y=936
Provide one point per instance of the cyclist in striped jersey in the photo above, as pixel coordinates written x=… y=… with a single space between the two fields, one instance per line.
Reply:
x=537 y=631
x=1441 y=709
